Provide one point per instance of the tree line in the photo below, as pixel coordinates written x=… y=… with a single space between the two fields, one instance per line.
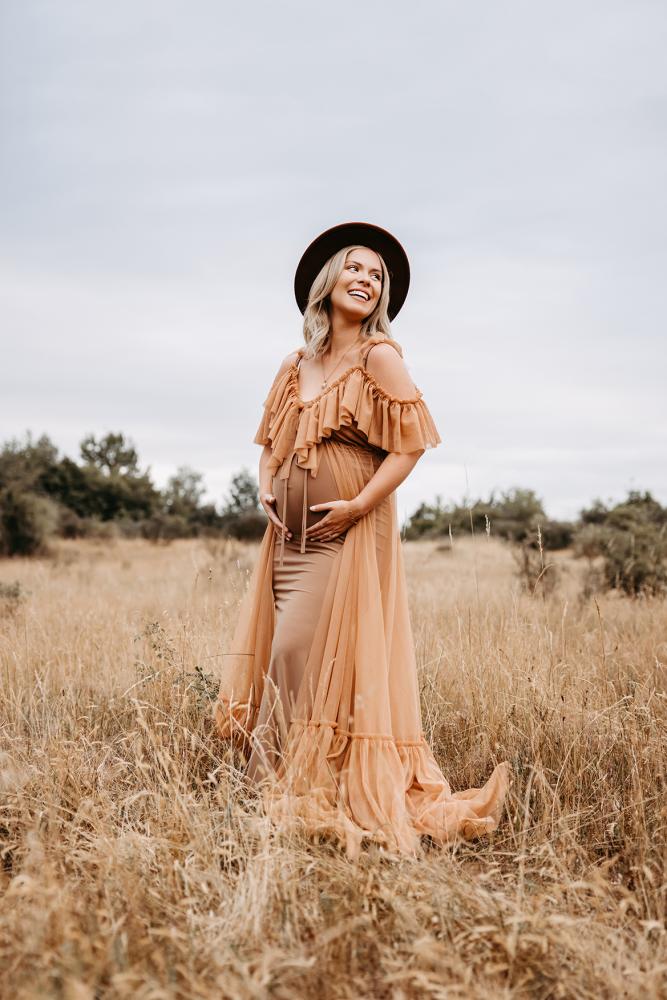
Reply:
x=624 y=543
x=105 y=493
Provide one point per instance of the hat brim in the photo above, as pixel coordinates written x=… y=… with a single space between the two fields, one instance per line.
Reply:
x=355 y=234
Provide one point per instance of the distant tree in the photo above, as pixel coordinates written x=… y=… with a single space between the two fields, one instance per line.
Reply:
x=241 y=514
x=130 y=496
x=183 y=492
x=111 y=454
x=637 y=508
x=595 y=514
x=243 y=494
x=73 y=486
x=115 y=487
x=24 y=463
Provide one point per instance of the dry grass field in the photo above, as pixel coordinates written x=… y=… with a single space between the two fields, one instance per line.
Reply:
x=135 y=864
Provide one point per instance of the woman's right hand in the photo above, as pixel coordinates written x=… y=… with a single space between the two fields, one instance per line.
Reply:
x=268 y=502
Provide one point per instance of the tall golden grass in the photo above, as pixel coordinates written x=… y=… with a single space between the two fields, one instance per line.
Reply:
x=136 y=863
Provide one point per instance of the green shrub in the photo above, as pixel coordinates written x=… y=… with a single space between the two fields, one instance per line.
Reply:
x=166 y=527
x=633 y=555
x=27 y=521
x=631 y=540
x=556 y=535
x=249 y=525
x=242 y=517
x=12 y=595
x=514 y=515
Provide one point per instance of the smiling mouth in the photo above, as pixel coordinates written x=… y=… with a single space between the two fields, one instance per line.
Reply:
x=357 y=294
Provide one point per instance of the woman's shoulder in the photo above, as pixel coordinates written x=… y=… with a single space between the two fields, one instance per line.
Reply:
x=385 y=364
x=381 y=345
x=287 y=362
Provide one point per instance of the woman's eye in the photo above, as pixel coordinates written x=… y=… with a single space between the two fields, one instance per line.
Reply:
x=352 y=267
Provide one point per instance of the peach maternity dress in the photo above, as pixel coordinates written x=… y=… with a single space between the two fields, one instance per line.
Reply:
x=320 y=685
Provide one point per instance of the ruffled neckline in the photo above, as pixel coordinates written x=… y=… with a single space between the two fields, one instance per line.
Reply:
x=293 y=380
x=291 y=425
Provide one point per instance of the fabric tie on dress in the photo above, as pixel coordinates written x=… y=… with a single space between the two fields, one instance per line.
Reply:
x=304 y=511
x=282 y=533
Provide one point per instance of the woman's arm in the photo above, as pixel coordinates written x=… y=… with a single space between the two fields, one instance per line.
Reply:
x=387 y=477
x=264 y=474
x=266 y=497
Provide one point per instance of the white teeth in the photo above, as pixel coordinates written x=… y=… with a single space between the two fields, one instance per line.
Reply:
x=360 y=295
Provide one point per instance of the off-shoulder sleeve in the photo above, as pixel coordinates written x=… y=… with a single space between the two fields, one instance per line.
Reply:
x=262 y=435
x=273 y=403
x=393 y=424
x=396 y=425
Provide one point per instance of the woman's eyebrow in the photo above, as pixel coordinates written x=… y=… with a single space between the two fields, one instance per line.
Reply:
x=376 y=268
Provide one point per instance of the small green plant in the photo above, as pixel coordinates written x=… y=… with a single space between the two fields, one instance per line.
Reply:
x=162 y=648
x=161 y=644
x=12 y=595
x=27 y=521
x=203 y=686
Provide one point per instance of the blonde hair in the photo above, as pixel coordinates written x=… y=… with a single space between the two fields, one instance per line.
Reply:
x=316 y=318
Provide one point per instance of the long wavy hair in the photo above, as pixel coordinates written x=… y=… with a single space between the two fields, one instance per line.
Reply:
x=317 y=316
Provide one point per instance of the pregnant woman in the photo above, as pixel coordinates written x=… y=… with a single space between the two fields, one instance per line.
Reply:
x=320 y=687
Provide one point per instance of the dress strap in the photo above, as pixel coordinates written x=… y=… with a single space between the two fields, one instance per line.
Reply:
x=366 y=349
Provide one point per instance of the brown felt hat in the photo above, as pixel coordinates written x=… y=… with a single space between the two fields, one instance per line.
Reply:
x=355 y=234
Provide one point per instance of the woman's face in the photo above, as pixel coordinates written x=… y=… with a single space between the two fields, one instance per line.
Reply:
x=358 y=288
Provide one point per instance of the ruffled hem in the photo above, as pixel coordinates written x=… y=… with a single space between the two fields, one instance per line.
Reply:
x=375 y=788
x=290 y=424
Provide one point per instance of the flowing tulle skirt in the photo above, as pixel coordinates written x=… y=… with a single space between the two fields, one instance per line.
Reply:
x=321 y=688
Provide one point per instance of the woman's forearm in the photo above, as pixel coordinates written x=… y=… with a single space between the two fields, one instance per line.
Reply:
x=265 y=479
x=390 y=474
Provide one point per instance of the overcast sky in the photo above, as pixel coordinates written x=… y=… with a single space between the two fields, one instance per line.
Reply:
x=165 y=164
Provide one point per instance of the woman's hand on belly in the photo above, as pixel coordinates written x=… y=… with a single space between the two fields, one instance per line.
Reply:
x=268 y=502
x=342 y=515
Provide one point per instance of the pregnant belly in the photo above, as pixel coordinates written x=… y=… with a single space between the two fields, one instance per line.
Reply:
x=319 y=490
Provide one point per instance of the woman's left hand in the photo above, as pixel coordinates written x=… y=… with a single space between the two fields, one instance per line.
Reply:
x=342 y=515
